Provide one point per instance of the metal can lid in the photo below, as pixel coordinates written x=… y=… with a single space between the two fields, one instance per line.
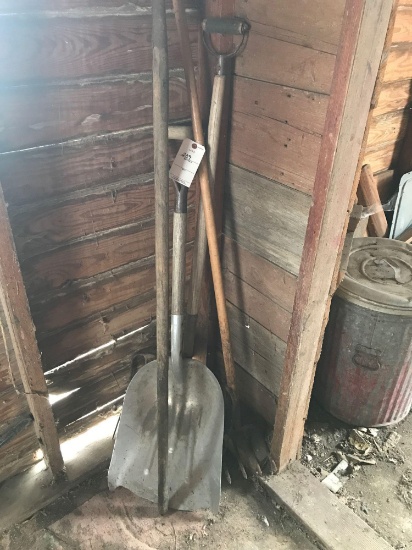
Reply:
x=379 y=275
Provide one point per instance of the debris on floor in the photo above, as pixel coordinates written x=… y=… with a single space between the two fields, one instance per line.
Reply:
x=377 y=484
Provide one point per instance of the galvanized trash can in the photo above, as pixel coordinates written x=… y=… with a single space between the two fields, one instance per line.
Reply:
x=364 y=375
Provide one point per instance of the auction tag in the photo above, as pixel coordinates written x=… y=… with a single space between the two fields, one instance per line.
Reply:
x=187 y=162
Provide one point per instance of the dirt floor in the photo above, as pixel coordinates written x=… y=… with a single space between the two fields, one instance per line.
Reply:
x=377 y=484
x=91 y=518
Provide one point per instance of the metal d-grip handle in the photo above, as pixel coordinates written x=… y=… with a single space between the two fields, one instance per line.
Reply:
x=367 y=358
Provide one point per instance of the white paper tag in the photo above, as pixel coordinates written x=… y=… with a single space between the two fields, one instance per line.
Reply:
x=187 y=162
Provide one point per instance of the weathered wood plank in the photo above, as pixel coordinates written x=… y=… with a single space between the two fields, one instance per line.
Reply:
x=46 y=225
x=256 y=350
x=315 y=24
x=387 y=128
x=303 y=110
x=18 y=454
x=37 y=49
x=363 y=38
x=271 y=281
x=74 y=6
x=96 y=253
x=259 y=307
x=403 y=26
x=50 y=171
x=286 y=64
x=383 y=157
x=85 y=336
x=399 y=65
x=104 y=362
x=265 y=217
x=275 y=150
x=36 y=115
x=394 y=96
x=22 y=333
x=322 y=513
x=252 y=393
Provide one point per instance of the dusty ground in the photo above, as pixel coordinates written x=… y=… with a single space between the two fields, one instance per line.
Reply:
x=114 y=521
x=378 y=482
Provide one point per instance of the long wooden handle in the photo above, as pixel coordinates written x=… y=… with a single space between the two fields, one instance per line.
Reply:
x=161 y=178
x=368 y=191
x=205 y=190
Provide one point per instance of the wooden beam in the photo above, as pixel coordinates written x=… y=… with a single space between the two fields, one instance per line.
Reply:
x=320 y=512
x=23 y=336
x=360 y=50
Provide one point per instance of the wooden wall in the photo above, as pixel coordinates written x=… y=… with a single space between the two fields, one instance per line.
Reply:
x=76 y=165
x=281 y=93
x=391 y=112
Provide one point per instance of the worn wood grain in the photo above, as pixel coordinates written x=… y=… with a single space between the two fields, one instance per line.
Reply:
x=252 y=393
x=12 y=405
x=256 y=349
x=363 y=38
x=403 y=26
x=96 y=253
x=46 y=225
x=43 y=173
x=386 y=128
x=394 y=96
x=383 y=157
x=118 y=355
x=102 y=329
x=302 y=110
x=334 y=525
x=399 y=66
x=271 y=281
x=75 y=6
x=37 y=49
x=37 y=115
x=315 y=24
x=369 y=196
x=259 y=307
x=18 y=454
x=266 y=218
x=22 y=334
x=280 y=62
x=275 y=150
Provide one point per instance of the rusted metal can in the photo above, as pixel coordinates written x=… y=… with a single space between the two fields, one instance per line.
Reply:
x=364 y=375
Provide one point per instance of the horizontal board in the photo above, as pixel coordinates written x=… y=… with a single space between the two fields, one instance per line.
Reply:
x=389 y=127
x=257 y=350
x=36 y=115
x=46 y=225
x=266 y=218
x=394 y=96
x=269 y=314
x=271 y=281
x=41 y=6
x=315 y=24
x=39 y=49
x=402 y=31
x=104 y=362
x=275 y=150
x=287 y=64
x=19 y=454
x=65 y=346
x=305 y=111
x=97 y=253
x=78 y=164
x=399 y=64
x=383 y=157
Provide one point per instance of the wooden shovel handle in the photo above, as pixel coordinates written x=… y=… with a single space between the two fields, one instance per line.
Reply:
x=205 y=189
x=369 y=196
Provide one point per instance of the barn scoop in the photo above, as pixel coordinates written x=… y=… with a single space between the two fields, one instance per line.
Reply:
x=168 y=447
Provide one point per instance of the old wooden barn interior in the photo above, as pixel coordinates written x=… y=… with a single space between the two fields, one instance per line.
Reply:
x=320 y=89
